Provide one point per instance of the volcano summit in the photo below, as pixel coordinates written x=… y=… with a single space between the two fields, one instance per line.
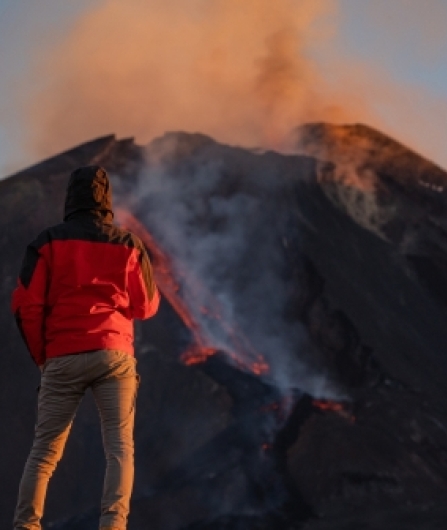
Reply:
x=295 y=374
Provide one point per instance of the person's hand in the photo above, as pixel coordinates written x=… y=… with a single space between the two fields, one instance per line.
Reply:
x=40 y=366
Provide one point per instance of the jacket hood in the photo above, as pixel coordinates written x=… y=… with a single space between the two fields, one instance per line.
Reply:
x=89 y=190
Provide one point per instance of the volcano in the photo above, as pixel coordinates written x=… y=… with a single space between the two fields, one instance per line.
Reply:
x=295 y=374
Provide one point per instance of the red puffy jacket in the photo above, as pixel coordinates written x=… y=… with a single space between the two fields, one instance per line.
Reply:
x=83 y=282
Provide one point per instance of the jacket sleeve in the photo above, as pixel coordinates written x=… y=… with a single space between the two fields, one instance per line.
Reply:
x=28 y=303
x=143 y=293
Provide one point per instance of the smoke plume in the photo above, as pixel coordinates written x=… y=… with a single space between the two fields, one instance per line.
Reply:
x=238 y=73
x=244 y=73
x=226 y=230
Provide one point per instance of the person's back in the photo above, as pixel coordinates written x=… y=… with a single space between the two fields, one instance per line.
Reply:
x=81 y=285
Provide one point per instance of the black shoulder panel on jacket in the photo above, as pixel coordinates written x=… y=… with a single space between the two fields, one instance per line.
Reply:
x=31 y=258
x=91 y=231
x=80 y=230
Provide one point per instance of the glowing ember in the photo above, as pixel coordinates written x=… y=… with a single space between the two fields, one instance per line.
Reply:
x=327 y=405
x=241 y=353
x=334 y=406
x=196 y=355
x=285 y=403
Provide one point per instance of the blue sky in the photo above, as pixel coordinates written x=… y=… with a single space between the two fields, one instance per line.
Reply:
x=25 y=26
x=388 y=55
x=407 y=37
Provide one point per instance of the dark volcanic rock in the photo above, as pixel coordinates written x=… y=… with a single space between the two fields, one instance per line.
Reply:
x=346 y=248
x=165 y=429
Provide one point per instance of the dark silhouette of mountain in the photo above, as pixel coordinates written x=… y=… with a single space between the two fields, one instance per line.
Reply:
x=332 y=264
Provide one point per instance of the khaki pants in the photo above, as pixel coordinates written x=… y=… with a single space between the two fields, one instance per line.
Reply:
x=113 y=379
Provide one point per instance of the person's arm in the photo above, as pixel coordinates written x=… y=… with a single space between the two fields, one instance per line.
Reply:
x=28 y=302
x=143 y=293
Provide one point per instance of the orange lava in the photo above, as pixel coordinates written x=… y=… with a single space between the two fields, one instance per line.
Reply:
x=334 y=406
x=242 y=352
x=196 y=355
x=327 y=405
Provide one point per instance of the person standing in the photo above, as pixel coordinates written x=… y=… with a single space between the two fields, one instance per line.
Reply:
x=81 y=285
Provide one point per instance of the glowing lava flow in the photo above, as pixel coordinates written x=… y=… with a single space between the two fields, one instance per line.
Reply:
x=242 y=353
x=334 y=406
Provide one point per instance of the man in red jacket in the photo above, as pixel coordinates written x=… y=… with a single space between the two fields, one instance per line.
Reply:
x=81 y=285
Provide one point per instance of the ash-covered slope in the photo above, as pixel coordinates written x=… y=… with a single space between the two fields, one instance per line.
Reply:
x=381 y=184
x=325 y=262
x=402 y=198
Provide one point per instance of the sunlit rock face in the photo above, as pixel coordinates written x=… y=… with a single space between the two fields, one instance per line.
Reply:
x=382 y=185
x=401 y=197
x=329 y=266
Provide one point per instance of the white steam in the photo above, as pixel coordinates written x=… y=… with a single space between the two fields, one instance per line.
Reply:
x=224 y=233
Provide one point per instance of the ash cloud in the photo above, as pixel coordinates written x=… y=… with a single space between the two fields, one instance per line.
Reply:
x=240 y=74
x=244 y=75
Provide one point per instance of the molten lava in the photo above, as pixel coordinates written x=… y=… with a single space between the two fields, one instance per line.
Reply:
x=241 y=352
x=327 y=405
x=334 y=406
x=177 y=287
